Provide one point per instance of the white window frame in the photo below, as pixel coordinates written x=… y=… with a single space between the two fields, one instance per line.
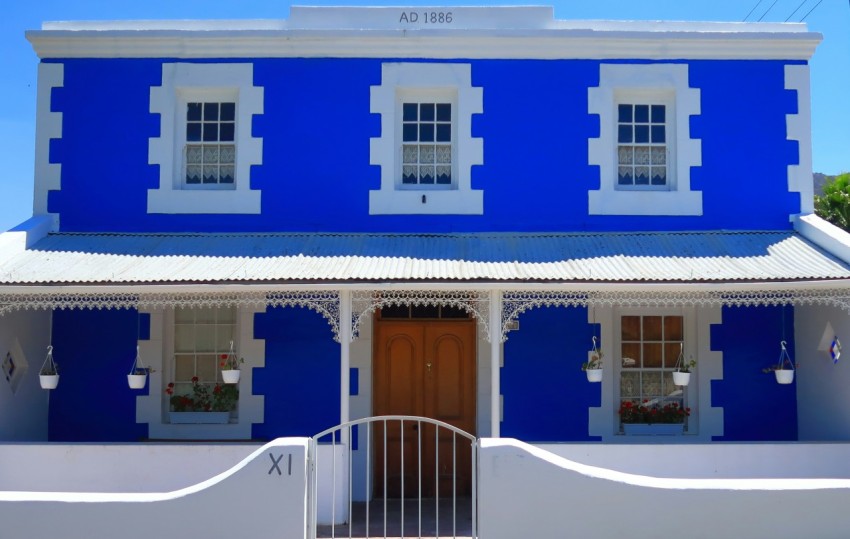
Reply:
x=687 y=328
x=201 y=96
x=187 y=82
x=158 y=353
x=667 y=99
x=425 y=96
x=662 y=82
x=401 y=81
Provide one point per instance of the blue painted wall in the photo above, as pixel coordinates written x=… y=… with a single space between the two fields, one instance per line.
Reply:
x=300 y=381
x=317 y=126
x=94 y=350
x=755 y=407
x=546 y=394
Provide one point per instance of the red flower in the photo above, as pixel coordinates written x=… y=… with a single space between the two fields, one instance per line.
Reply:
x=217 y=389
x=223 y=356
x=221 y=364
x=194 y=379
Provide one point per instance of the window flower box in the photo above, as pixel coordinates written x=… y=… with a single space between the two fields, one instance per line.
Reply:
x=185 y=418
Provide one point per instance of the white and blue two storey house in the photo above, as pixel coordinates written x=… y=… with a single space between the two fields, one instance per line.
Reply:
x=427 y=212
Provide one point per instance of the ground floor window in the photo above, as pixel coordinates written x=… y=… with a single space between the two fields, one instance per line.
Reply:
x=202 y=340
x=649 y=348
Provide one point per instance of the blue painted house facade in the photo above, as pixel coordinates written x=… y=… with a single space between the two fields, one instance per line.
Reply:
x=427 y=212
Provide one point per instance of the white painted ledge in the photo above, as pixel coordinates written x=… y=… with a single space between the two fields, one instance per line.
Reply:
x=824 y=234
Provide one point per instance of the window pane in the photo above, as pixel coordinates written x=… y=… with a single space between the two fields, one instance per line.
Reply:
x=409 y=112
x=641 y=155
x=659 y=176
x=210 y=174
x=641 y=134
x=641 y=113
x=210 y=112
x=630 y=328
x=410 y=133
x=227 y=132
x=193 y=153
x=641 y=175
x=658 y=114
x=426 y=132
x=659 y=156
x=444 y=154
x=205 y=316
x=444 y=112
x=625 y=176
x=426 y=174
x=659 y=134
x=624 y=134
x=227 y=154
x=444 y=132
x=652 y=355
x=671 y=353
x=424 y=311
x=205 y=338
x=410 y=153
x=184 y=338
x=630 y=357
x=673 y=328
x=193 y=132
x=184 y=368
x=193 y=174
x=624 y=113
x=228 y=112
x=427 y=154
x=625 y=155
x=630 y=384
x=652 y=328
x=227 y=174
x=426 y=112
x=396 y=311
x=210 y=132
x=184 y=316
x=206 y=366
x=408 y=174
x=444 y=175
x=193 y=112
x=651 y=384
x=210 y=154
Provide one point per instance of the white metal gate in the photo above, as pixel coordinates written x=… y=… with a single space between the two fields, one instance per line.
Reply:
x=333 y=511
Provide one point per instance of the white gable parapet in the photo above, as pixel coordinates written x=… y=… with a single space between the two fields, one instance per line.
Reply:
x=48 y=176
x=799 y=129
x=424 y=32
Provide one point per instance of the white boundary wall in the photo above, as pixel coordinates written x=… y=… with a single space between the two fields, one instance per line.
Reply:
x=528 y=492
x=264 y=495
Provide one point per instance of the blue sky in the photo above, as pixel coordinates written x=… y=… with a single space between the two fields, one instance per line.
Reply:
x=18 y=62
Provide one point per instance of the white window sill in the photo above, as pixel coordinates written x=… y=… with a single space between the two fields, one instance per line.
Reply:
x=435 y=202
x=198 y=201
x=634 y=202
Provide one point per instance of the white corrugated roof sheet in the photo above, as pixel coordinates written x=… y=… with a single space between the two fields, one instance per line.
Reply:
x=717 y=256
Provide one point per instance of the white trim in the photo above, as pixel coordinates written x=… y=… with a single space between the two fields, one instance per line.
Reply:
x=183 y=81
x=48 y=176
x=617 y=80
x=402 y=79
x=824 y=234
x=546 y=44
x=799 y=129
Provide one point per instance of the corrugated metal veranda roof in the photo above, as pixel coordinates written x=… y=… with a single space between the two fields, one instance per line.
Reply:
x=649 y=257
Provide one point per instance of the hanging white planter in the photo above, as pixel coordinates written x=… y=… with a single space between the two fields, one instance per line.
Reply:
x=48 y=381
x=594 y=375
x=783 y=375
x=230 y=376
x=48 y=375
x=138 y=373
x=682 y=372
x=593 y=367
x=681 y=378
x=230 y=367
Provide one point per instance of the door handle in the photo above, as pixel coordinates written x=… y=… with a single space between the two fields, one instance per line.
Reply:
x=428 y=366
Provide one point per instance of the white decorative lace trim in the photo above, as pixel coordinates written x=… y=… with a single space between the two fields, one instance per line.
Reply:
x=477 y=303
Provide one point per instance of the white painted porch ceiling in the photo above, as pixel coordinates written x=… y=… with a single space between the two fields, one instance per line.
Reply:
x=716 y=256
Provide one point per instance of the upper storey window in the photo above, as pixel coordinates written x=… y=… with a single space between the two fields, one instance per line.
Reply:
x=210 y=145
x=205 y=150
x=642 y=146
x=644 y=150
x=426 y=149
x=426 y=144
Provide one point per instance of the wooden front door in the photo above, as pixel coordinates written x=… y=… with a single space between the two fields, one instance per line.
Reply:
x=424 y=368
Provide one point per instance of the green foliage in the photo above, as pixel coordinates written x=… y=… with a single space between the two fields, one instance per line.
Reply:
x=834 y=205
